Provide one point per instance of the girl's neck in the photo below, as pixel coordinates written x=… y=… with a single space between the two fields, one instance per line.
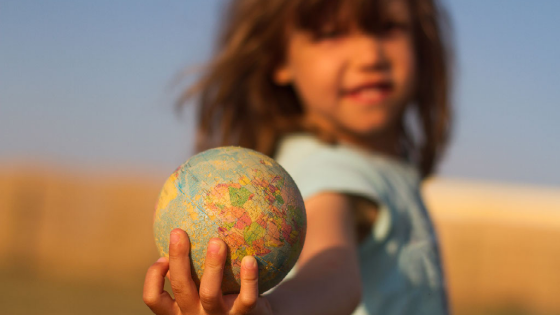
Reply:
x=381 y=142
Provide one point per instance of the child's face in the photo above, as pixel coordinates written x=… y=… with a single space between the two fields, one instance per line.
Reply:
x=354 y=82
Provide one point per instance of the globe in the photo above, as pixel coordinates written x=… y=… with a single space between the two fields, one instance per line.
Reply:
x=243 y=197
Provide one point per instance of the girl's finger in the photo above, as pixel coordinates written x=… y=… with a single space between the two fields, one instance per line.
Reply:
x=247 y=298
x=182 y=284
x=211 y=282
x=158 y=300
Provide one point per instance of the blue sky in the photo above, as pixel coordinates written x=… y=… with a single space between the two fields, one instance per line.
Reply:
x=91 y=84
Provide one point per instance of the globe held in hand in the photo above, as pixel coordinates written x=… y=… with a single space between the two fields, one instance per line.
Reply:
x=243 y=197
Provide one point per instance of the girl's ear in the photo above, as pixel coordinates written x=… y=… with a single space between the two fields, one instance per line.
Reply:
x=283 y=75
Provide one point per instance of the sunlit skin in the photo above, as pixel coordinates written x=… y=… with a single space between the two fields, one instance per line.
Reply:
x=354 y=84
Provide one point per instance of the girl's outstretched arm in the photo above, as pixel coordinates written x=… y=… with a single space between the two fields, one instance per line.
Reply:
x=328 y=277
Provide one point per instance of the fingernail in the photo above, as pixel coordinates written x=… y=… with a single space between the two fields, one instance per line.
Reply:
x=249 y=262
x=161 y=259
x=174 y=238
x=214 y=246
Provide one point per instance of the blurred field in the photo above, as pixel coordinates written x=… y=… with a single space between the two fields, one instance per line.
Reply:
x=501 y=245
x=74 y=243
x=80 y=243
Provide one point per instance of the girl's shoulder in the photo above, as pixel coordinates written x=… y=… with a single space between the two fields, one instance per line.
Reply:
x=303 y=152
x=317 y=166
x=297 y=150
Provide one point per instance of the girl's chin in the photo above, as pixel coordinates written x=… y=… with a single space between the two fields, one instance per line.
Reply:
x=367 y=128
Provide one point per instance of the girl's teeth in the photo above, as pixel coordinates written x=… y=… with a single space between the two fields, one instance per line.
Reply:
x=370 y=94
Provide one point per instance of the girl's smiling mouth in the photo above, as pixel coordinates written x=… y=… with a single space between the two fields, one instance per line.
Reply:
x=369 y=93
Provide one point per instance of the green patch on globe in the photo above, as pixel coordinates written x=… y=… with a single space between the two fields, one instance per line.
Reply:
x=243 y=197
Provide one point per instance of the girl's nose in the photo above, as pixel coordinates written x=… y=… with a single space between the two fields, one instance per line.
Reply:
x=369 y=53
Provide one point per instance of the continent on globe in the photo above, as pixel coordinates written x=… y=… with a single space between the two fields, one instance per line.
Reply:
x=243 y=197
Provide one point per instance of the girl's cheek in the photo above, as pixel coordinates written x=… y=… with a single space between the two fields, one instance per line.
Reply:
x=404 y=62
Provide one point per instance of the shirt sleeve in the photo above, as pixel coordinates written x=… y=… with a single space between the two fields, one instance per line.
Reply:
x=328 y=170
x=337 y=170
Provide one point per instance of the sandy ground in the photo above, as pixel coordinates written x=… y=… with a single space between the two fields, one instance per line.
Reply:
x=76 y=243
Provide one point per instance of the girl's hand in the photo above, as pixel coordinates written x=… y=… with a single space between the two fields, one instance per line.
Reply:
x=209 y=300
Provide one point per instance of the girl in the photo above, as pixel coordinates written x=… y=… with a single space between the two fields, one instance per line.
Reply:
x=352 y=98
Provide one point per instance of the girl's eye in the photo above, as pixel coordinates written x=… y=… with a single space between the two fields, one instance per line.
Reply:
x=329 y=34
x=392 y=28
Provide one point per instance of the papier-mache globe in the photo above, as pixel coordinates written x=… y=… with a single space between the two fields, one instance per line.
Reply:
x=243 y=197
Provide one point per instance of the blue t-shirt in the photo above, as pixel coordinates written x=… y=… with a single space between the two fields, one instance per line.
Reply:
x=399 y=260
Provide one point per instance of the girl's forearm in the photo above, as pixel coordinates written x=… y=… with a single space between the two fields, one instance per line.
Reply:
x=323 y=286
